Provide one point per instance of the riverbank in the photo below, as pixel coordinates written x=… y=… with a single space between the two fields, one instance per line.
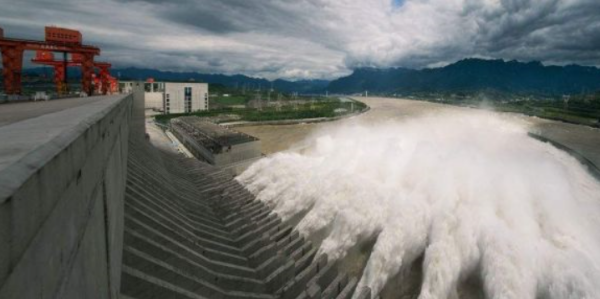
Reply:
x=292 y=121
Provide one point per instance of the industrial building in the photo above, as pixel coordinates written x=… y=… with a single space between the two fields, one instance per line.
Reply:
x=215 y=144
x=172 y=97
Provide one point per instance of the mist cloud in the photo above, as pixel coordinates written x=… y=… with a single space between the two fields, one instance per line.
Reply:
x=469 y=190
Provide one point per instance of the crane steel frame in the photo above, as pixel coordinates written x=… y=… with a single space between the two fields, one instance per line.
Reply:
x=60 y=69
x=12 y=60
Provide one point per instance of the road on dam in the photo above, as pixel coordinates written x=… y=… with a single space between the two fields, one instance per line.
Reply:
x=275 y=138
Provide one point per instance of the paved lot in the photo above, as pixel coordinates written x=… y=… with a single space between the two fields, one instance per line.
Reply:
x=15 y=112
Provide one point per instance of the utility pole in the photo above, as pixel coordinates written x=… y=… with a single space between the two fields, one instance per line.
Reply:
x=66 y=76
x=295 y=98
x=279 y=101
x=259 y=100
x=269 y=98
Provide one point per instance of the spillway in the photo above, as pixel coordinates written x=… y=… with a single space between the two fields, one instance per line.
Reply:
x=89 y=208
x=466 y=198
x=191 y=231
x=447 y=205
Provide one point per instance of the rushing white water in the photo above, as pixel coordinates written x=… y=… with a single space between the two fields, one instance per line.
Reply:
x=471 y=191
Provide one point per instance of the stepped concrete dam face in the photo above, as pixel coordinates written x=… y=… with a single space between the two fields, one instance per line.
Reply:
x=89 y=208
x=409 y=200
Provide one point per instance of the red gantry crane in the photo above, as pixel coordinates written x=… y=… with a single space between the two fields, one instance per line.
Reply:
x=60 y=40
x=103 y=83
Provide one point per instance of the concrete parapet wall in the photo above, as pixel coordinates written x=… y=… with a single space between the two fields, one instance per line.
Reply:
x=239 y=153
x=194 y=147
x=589 y=164
x=62 y=181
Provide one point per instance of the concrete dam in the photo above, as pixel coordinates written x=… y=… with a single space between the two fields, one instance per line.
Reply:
x=90 y=209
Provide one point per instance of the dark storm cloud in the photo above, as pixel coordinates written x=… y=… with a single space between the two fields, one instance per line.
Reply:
x=317 y=38
x=556 y=31
x=205 y=20
x=214 y=16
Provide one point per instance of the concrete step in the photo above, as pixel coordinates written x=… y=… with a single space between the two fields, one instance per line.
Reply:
x=324 y=275
x=350 y=289
x=191 y=262
x=163 y=190
x=301 y=281
x=303 y=256
x=177 y=199
x=200 y=230
x=290 y=242
x=138 y=285
x=192 y=231
x=167 y=226
x=180 y=244
x=191 y=282
x=336 y=287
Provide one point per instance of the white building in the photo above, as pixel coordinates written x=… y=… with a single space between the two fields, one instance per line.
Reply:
x=172 y=97
x=126 y=86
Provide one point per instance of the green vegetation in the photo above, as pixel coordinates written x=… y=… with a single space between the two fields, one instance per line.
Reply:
x=230 y=100
x=317 y=109
x=264 y=105
x=577 y=109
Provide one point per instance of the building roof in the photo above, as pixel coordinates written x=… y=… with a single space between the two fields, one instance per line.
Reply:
x=210 y=135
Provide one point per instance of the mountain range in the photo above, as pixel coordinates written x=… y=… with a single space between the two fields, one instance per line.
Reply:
x=240 y=81
x=474 y=75
x=468 y=75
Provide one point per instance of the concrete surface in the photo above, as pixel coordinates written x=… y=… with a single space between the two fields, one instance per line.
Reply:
x=215 y=144
x=15 y=112
x=62 y=181
x=580 y=140
x=159 y=138
x=191 y=231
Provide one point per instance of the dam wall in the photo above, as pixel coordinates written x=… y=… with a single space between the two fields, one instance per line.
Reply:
x=90 y=209
x=62 y=183
x=192 y=231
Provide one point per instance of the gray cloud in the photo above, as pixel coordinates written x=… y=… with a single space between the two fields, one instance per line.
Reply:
x=316 y=38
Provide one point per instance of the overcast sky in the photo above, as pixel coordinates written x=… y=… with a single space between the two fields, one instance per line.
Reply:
x=297 y=39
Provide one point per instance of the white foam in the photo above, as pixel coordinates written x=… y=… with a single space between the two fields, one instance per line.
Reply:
x=469 y=189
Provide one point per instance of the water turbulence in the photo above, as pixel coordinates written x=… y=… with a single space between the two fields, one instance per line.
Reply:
x=472 y=193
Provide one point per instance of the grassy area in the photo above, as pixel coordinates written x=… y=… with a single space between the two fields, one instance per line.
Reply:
x=577 y=112
x=231 y=100
x=577 y=109
x=300 y=111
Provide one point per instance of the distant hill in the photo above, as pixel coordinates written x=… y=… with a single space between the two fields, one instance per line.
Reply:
x=468 y=75
x=474 y=75
x=302 y=86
